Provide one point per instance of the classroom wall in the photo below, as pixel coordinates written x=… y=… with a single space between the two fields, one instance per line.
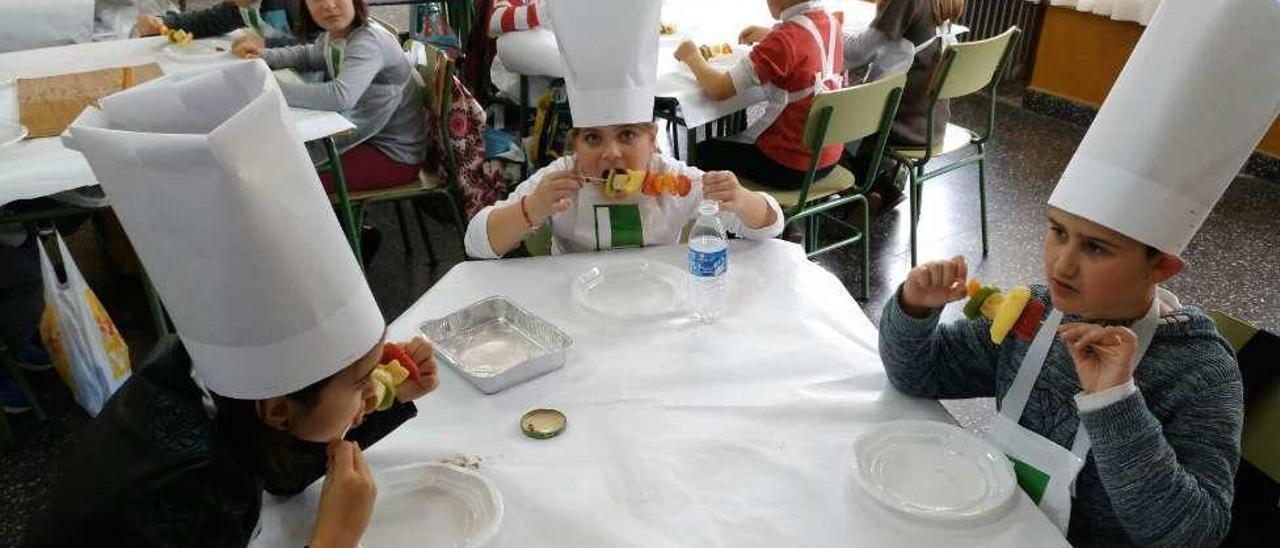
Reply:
x=1080 y=55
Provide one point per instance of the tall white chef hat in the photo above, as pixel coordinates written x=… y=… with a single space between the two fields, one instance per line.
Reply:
x=610 y=55
x=1198 y=93
x=214 y=188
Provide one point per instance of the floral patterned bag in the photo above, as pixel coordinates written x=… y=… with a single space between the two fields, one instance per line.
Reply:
x=479 y=183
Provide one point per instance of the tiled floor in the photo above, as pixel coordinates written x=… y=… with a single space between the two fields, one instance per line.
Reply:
x=1232 y=266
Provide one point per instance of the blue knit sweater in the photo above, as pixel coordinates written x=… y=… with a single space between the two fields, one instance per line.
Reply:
x=1164 y=459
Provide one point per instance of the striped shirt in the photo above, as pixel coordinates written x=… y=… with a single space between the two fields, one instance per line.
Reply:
x=513 y=15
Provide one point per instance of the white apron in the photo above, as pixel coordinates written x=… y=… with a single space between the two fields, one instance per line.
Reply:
x=597 y=223
x=827 y=80
x=1046 y=470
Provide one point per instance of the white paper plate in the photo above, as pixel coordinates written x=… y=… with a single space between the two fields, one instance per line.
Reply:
x=199 y=50
x=933 y=471
x=633 y=290
x=11 y=133
x=430 y=505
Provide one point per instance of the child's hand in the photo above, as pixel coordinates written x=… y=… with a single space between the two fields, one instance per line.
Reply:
x=248 y=46
x=423 y=355
x=346 y=498
x=933 y=285
x=1103 y=355
x=723 y=187
x=554 y=194
x=686 y=50
x=148 y=25
x=753 y=34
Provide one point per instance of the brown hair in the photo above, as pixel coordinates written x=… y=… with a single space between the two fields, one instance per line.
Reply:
x=943 y=10
x=947 y=10
x=308 y=28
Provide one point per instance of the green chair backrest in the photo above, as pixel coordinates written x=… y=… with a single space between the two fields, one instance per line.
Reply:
x=974 y=65
x=856 y=112
x=538 y=242
x=1260 y=440
x=1235 y=331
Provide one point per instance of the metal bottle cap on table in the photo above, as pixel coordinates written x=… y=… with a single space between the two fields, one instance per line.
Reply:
x=543 y=423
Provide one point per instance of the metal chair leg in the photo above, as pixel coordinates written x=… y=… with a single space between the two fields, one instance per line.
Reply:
x=404 y=228
x=915 y=212
x=866 y=248
x=982 y=195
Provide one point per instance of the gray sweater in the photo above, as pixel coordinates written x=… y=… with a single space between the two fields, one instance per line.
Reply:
x=1164 y=459
x=376 y=90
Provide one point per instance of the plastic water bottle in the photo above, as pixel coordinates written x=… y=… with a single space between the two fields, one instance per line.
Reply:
x=708 y=263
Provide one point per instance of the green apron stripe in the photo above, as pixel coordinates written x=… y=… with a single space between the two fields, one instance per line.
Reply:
x=1030 y=479
x=624 y=223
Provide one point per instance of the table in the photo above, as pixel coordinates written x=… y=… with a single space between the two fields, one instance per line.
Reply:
x=25 y=24
x=40 y=167
x=535 y=53
x=734 y=434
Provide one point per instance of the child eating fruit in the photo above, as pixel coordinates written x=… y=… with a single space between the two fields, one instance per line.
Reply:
x=615 y=189
x=1119 y=406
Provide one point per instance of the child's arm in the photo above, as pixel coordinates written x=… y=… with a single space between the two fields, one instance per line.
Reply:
x=303 y=57
x=718 y=85
x=925 y=359
x=361 y=62
x=1170 y=484
x=500 y=228
x=214 y=21
x=514 y=15
x=758 y=213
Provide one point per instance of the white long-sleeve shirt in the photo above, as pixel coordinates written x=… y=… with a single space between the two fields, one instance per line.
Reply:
x=579 y=228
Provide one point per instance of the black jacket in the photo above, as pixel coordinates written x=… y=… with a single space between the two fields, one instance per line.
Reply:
x=158 y=467
x=225 y=17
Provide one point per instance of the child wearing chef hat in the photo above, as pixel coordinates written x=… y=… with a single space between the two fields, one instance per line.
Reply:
x=1120 y=407
x=272 y=380
x=615 y=189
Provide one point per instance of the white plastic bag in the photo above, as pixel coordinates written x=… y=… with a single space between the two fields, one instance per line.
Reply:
x=87 y=350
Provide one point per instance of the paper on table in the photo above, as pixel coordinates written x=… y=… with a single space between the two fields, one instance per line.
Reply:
x=48 y=105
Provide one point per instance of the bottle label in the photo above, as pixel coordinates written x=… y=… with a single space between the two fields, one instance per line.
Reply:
x=705 y=264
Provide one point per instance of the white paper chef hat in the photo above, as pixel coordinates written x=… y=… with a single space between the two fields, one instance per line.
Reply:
x=610 y=54
x=217 y=194
x=1198 y=92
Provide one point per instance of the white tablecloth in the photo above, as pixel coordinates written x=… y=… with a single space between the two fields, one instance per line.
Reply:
x=704 y=21
x=735 y=434
x=39 y=167
x=26 y=24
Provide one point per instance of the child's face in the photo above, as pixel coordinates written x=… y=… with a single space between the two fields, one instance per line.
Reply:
x=626 y=146
x=332 y=15
x=340 y=405
x=1098 y=273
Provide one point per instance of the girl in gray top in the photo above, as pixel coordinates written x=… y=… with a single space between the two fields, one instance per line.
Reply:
x=370 y=81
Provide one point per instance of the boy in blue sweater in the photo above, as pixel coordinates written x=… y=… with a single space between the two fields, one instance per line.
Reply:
x=1120 y=407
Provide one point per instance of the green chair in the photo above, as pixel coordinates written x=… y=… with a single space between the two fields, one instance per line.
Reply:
x=836 y=118
x=964 y=69
x=436 y=74
x=1260 y=440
